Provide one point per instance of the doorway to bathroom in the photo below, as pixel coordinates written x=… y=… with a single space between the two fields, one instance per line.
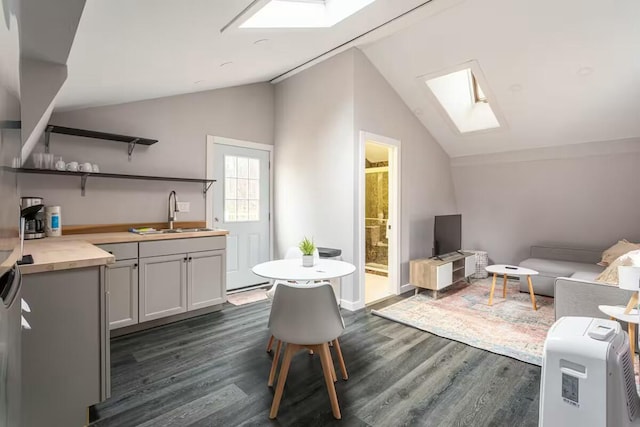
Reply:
x=379 y=217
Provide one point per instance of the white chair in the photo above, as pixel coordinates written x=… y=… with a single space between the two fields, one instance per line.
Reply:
x=292 y=253
x=306 y=317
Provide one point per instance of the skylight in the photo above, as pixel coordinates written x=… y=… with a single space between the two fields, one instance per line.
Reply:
x=303 y=13
x=461 y=96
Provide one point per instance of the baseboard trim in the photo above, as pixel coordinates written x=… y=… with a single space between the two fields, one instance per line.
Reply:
x=351 y=305
x=406 y=288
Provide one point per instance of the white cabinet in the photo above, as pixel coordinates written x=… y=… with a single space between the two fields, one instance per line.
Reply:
x=469 y=266
x=205 y=279
x=444 y=275
x=163 y=286
x=122 y=289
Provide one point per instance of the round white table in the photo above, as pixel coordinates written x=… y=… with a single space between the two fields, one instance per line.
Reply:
x=292 y=270
x=616 y=312
x=505 y=270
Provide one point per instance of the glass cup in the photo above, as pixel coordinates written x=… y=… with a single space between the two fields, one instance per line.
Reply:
x=48 y=161
x=38 y=159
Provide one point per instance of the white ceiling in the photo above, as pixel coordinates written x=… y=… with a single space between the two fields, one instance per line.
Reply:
x=131 y=50
x=530 y=53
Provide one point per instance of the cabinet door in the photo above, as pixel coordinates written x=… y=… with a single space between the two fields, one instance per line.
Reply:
x=163 y=286
x=206 y=279
x=444 y=275
x=122 y=285
x=469 y=266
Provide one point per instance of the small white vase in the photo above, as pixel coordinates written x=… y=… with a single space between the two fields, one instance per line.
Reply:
x=307 y=260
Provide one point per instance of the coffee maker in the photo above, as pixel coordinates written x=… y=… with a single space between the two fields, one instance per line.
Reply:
x=32 y=210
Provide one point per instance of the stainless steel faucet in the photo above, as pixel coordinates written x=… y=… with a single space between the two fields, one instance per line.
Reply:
x=172 y=211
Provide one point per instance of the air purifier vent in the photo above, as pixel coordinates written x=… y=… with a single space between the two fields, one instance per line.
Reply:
x=630 y=384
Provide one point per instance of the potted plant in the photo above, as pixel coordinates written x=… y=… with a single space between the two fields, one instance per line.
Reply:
x=307 y=248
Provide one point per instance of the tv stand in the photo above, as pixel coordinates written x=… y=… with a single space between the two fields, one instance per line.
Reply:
x=438 y=274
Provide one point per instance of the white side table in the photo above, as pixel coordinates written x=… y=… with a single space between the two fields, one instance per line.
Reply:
x=616 y=312
x=505 y=270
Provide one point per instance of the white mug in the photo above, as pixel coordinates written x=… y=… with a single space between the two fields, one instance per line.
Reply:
x=85 y=167
x=72 y=166
x=60 y=164
x=95 y=168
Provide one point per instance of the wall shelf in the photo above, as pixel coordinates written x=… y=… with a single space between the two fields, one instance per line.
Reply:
x=206 y=183
x=131 y=140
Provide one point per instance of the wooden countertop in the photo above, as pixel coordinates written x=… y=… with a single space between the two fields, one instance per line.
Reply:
x=50 y=255
x=126 y=237
x=78 y=250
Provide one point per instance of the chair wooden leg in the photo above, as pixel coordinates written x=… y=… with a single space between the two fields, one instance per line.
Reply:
x=343 y=367
x=270 y=343
x=325 y=358
x=493 y=288
x=504 y=287
x=533 y=296
x=274 y=364
x=334 y=377
x=289 y=351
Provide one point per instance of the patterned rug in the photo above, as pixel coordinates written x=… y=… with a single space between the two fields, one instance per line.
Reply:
x=510 y=327
x=247 y=297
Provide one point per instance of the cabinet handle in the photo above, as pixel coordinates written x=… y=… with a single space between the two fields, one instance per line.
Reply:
x=186 y=259
x=135 y=265
x=190 y=259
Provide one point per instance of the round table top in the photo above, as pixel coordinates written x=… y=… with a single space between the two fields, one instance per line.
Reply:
x=510 y=269
x=292 y=269
x=617 y=312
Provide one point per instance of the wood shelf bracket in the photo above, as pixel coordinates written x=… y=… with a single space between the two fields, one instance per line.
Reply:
x=205 y=187
x=83 y=183
x=47 y=139
x=132 y=146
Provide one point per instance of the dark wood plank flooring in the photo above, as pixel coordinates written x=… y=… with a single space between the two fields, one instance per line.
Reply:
x=212 y=371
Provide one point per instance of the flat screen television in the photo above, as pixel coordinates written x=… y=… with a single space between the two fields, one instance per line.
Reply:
x=447 y=234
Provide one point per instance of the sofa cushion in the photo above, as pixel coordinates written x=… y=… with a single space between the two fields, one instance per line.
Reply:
x=555 y=268
x=614 y=252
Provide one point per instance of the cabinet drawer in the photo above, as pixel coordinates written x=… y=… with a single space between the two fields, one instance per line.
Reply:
x=121 y=250
x=181 y=246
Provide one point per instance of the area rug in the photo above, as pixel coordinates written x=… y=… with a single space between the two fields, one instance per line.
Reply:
x=510 y=327
x=247 y=297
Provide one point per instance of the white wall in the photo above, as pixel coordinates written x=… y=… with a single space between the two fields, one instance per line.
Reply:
x=575 y=196
x=319 y=115
x=180 y=123
x=427 y=186
x=314 y=159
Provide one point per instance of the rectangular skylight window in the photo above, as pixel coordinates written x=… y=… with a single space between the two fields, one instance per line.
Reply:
x=461 y=96
x=303 y=13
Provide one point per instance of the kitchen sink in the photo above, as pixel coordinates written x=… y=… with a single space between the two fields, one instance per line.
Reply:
x=184 y=230
x=175 y=230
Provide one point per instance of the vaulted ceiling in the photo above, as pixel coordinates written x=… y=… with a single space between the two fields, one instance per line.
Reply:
x=560 y=72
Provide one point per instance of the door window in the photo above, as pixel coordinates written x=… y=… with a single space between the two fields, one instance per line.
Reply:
x=241 y=189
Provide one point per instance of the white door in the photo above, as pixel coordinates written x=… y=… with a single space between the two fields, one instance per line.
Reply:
x=241 y=206
x=122 y=280
x=163 y=286
x=205 y=279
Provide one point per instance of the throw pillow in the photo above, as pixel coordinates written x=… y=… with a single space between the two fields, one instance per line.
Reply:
x=610 y=275
x=614 y=252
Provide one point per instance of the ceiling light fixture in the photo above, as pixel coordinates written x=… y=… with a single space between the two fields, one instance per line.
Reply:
x=296 y=13
x=585 y=71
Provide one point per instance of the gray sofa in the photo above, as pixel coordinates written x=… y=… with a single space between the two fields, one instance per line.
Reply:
x=569 y=276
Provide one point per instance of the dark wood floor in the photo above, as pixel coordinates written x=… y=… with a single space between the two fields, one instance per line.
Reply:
x=212 y=371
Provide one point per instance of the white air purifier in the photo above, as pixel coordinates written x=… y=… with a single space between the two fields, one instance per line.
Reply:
x=587 y=375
